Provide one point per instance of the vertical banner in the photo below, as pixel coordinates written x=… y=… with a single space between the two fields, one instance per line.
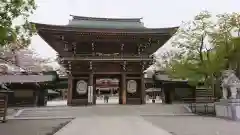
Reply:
x=90 y=94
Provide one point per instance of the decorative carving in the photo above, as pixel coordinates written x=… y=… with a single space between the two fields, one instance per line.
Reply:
x=124 y=65
x=230 y=82
x=62 y=38
x=122 y=47
x=69 y=74
x=81 y=87
x=65 y=46
x=153 y=59
x=143 y=65
x=131 y=86
x=139 y=49
x=74 y=47
x=149 y=40
x=93 y=46
x=107 y=54
x=69 y=65
x=90 y=65
x=59 y=59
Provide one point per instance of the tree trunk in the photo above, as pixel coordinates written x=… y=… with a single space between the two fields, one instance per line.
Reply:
x=16 y=60
x=237 y=70
x=217 y=89
x=213 y=85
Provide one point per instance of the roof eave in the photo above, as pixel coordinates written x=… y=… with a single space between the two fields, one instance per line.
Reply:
x=66 y=28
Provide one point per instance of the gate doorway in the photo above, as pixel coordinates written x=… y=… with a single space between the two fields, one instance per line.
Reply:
x=107 y=89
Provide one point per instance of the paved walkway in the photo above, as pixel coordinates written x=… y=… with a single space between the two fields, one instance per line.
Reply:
x=132 y=125
x=105 y=119
x=127 y=119
x=196 y=125
x=101 y=110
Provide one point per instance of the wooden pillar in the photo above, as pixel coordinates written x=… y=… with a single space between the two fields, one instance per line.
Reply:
x=70 y=91
x=123 y=88
x=36 y=97
x=169 y=91
x=143 y=90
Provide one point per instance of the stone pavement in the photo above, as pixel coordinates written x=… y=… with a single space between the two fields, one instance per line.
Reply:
x=195 y=125
x=101 y=110
x=30 y=127
x=107 y=118
x=125 y=125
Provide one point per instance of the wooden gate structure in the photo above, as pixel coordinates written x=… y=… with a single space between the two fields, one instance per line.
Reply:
x=90 y=47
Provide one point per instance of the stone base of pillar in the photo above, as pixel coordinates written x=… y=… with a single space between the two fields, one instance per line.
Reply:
x=228 y=109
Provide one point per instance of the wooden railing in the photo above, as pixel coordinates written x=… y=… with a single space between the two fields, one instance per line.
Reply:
x=3 y=107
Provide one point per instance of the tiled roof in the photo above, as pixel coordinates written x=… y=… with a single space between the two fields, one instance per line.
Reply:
x=25 y=78
x=165 y=77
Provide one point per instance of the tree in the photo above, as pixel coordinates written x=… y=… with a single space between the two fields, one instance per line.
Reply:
x=205 y=48
x=192 y=58
x=20 y=32
x=27 y=59
x=234 y=55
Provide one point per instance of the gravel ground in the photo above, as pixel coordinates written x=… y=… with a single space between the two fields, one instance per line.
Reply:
x=30 y=127
x=195 y=125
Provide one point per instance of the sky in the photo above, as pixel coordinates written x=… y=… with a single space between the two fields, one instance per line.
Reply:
x=155 y=13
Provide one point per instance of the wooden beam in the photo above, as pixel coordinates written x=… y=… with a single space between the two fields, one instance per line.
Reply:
x=105 y=38
x=106 y=59
x=76 y=73
x=80 y=77
x=106 y=32
x=129 y=77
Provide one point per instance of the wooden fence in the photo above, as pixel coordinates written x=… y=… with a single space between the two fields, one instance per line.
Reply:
x=201 y=105
x=3 y=107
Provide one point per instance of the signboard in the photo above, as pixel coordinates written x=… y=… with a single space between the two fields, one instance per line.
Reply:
x=131 y=86
x=81 y=87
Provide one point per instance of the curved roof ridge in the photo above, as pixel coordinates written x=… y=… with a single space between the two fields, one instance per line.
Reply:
x=106 y=19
